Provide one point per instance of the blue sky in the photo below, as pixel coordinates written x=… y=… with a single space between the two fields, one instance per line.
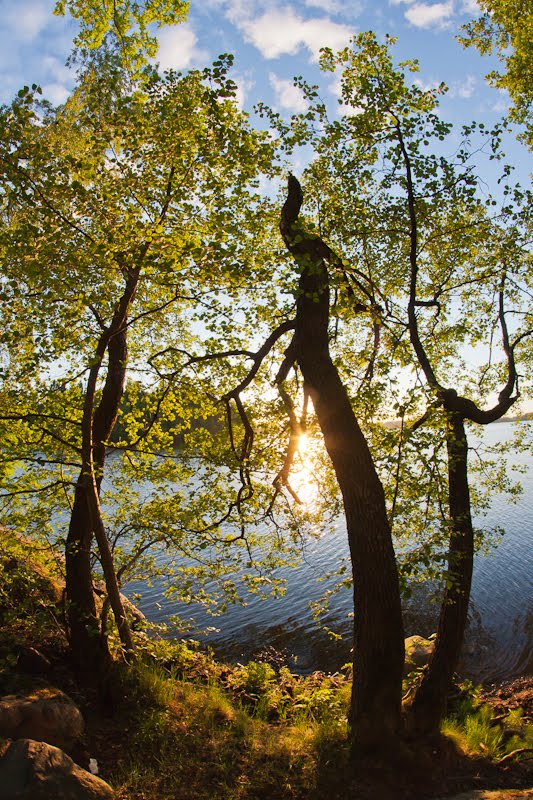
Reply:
x=272 y=42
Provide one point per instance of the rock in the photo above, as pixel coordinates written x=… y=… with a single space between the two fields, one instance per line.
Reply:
x=32 y=579
x=46 y=715
x=37 y=771
x=32 y=661
x=418 y=652
x=135 y=616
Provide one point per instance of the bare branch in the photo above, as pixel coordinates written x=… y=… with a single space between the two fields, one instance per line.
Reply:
x=37 y=490
x=259 y=357
x=191 y=359
x=28 y=416
x=295 y=433
x=513 y=754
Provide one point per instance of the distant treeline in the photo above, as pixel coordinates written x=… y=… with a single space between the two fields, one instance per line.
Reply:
x=139 y=400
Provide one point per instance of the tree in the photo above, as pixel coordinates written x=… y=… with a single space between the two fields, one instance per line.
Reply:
x=121 y=201
x=126 y=25
x=426 y=214
x=375 y=712
x=506 y=28
x=420 y=246
x=430 y=701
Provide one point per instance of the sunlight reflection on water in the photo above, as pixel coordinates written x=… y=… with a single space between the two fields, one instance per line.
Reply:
x=500 y=636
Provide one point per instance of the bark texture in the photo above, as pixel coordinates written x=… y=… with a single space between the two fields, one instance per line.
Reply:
x=429 y=704
x=430 y=701
x=375 y=715
x=88 y=647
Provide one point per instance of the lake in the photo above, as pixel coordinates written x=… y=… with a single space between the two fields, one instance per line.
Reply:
x=499 y=641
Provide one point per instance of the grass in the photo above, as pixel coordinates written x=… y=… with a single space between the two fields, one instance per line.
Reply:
x=263 y=692
x=190 y=739
x=474 y=728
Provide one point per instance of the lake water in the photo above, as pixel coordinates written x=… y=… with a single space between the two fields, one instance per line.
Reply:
x=499 y=642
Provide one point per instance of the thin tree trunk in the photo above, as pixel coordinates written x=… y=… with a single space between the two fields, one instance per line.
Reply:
x=88 y=647
x=375 y=714
x=108 y=566
x=429 y=704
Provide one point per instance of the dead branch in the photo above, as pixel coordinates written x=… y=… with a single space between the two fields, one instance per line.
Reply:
x=513 y=754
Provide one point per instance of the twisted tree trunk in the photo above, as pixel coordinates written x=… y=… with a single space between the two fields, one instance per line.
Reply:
x=375 y=715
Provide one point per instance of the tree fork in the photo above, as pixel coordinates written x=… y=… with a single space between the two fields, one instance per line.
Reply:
x=88 y=647
x=375 y=713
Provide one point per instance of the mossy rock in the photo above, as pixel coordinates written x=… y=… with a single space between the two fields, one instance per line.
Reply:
x=418 y=652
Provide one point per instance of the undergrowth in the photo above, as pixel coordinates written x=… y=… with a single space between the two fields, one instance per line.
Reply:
x=473 y=726
x=180 y=724
x=265 y=692
x=215 y=738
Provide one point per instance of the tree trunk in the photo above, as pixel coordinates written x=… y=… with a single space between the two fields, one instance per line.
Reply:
x=429 y=704
x=88 y=647
x=108 y=566
x=375 y=714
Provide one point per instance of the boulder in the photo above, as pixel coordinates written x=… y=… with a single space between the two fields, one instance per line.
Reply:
x=37 y=771
x=135 y=616
x=46 y=715
x=418 y=652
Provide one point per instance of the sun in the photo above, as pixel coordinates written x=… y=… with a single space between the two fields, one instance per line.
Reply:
x=302 y=478
x=303 y=444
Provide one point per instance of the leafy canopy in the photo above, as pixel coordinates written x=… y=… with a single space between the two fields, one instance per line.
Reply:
x=156 y=187
x=506 y=28
x=128 y=23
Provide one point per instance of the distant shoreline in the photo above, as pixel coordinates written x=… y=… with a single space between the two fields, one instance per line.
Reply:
x=527 y=417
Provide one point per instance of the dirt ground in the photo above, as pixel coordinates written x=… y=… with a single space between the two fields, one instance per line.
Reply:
x=512 y=694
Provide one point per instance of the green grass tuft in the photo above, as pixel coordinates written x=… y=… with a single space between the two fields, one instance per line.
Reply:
x=475 y=729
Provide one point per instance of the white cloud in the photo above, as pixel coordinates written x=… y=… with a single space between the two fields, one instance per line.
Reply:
x=239 y=10
x=57 y=69
x=500 y=107
x=57 y=93
x=57 y=78
x=329 y=6
x=177 y=47
x=335 y=86
x=471 y=7
x=464 y=89
x=423 y=15
x=26 y=20
x=288 y=95
x=426 y=86
x=282 y=31
x=243 y=87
